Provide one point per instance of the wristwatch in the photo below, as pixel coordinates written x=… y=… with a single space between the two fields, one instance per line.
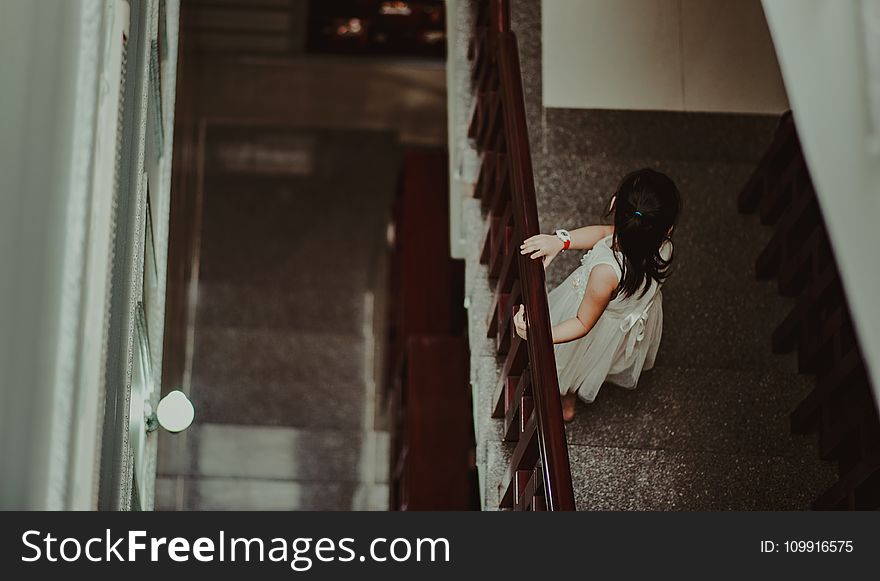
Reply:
x=565 y=236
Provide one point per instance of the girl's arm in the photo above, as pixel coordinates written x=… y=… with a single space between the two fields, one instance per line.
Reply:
x=585 y=238
x=547 y=246
x=600 y=288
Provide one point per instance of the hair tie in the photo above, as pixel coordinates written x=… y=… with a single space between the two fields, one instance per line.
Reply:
x=637 y=213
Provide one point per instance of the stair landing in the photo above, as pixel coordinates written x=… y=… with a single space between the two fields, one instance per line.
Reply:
x=708 y=427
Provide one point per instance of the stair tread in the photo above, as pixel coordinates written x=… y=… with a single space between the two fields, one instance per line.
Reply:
x=697 y=409
x=661 y=134
x=712 y=300
x=281 y=308
x=279 y=453
x=573 y=191
x=324 y=370
x=715 y=329
x=267 y=494
x=609 y=478
x=708 y=428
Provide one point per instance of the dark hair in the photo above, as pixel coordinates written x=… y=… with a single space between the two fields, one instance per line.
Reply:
x=646 y=208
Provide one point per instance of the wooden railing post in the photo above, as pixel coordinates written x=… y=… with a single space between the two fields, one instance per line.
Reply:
x=539 y=477
x=501 y=9
x=542 y=361
x=800 y=256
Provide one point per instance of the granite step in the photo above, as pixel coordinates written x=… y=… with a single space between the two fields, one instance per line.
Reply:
x=715 y=311
x=717 y=329
x=313 y=306
x=707 y=429
x=721 y=326
x=259 y=467
x=694 y=409
x=275 y=495
x=620 y=478
x=669 y=135
x=716 y=245
x=240 y=375
x=280 y=453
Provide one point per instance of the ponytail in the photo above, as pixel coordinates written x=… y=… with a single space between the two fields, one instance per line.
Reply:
x=646 y=208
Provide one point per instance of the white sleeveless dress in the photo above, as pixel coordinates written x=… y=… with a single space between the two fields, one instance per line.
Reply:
x=622 y=343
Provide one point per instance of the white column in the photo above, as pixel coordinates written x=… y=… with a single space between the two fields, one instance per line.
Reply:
x=49 y=52
x=824 y=48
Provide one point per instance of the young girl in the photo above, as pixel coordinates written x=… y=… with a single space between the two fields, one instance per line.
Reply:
x=607 y=315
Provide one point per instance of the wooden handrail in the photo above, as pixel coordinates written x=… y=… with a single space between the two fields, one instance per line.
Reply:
x=819 y=327
x=539 y=476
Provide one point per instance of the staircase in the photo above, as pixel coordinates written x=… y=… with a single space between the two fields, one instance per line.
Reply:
x=840 y=407
x=709 y=427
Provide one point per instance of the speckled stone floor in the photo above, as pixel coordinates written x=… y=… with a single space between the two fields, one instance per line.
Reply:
x=284 y=338
x=707 y=429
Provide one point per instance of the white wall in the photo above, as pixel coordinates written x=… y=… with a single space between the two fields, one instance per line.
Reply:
x=57 y=238
x=47 y=105
x=690 y=55
x=821 y=47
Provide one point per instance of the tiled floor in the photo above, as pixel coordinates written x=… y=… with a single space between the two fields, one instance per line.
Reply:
x=288 y=412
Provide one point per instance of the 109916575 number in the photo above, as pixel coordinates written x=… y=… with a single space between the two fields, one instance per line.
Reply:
x=818 y=546
x=813 y=546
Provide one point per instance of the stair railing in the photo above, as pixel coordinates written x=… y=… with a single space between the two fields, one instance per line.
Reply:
x=528 y=399
x=799 y=255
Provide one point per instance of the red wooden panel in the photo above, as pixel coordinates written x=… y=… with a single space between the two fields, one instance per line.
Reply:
x=439 y=432
x=430 y=283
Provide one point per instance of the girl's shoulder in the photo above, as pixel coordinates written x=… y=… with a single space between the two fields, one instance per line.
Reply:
x=602 y=253
x=606 y=243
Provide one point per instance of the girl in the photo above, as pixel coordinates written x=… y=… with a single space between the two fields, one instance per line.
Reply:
x=607 y=315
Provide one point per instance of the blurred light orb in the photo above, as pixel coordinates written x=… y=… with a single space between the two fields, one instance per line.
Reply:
x=175 y=412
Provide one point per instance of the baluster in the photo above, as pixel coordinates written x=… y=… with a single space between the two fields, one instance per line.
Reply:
x=527 y=394
x=840 y=406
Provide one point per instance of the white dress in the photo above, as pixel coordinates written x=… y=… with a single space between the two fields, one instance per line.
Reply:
x=622 y=343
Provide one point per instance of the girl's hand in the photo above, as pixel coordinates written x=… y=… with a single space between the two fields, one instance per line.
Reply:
x=544 y=246
x=519 y=322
